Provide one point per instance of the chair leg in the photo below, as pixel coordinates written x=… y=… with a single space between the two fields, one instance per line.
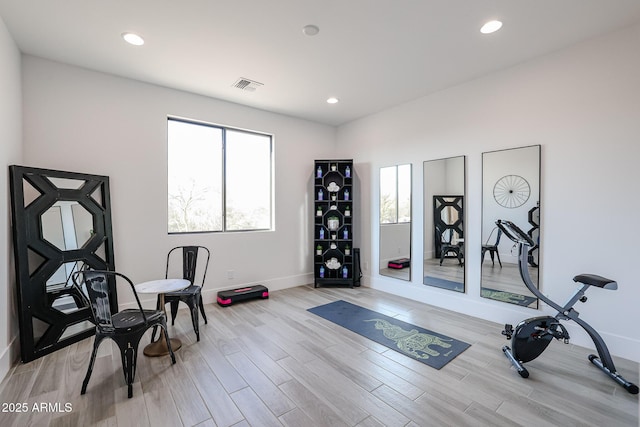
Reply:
x=201 y=305
x=129 y=358
x=166 y=337
x=96 y=343
x=193 y=305
x=174 y=311
x=498 y=255
x=129 y=354
x=155 y=328
x=491 y=252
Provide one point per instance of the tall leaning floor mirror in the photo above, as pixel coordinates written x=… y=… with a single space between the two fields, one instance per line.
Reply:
x=444 y=248
x=395 y=221
x=510 y=191
x=61 y=224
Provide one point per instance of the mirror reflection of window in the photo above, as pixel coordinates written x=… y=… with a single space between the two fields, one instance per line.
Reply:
x=404 y=193
x=395 y=222
x=388 y=195
x=510 y=191
x=444 y=249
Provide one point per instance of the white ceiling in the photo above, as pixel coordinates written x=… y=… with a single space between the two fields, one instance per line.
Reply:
x=371 y=54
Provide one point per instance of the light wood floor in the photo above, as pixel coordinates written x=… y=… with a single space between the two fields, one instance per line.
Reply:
x=271 y=363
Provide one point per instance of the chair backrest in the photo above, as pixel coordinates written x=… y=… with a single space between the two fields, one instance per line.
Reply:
x=445 y=236
x=97 y=283
x=498 y=237
x=190 y=263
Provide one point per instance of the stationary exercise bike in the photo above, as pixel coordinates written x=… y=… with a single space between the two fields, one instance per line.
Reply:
x=532 y=336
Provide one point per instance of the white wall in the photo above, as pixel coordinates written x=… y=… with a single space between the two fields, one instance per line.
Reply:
x=396 y=238
x=10 y=153
x=90 y=122
x=582 y=105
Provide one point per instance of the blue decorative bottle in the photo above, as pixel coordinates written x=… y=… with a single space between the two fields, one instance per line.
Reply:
x=319 y=172
x=346 y=194
x=322 y=234
x=322 y=271
x=345 y=272
x=320 y=194
x=345 y=234
x=347 y=172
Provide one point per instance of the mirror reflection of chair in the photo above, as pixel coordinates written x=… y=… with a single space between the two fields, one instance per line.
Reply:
x=493 y=249
x=126 y=327
x=447 y=246
x=192 y=296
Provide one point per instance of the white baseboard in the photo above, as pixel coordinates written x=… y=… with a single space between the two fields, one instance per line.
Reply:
x=210 y=295
x=9 y=357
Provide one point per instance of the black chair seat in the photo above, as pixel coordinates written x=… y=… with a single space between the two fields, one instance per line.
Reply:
x=132 y=318
x=191 y=290
x=445 y=238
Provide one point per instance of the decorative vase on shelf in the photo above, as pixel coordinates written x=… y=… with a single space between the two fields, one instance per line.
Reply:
x=333 y=223
x=319 y=250
x=347 y=250
x=347 y=211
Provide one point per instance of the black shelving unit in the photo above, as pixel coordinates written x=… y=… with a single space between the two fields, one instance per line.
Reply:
x=333 y=224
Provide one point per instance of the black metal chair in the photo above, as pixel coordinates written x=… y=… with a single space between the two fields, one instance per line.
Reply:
x=192 y=296
x=493 y=249
x=447 y=247
x=126 y=327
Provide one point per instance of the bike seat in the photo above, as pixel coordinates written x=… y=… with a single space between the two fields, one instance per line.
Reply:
x=595 y=280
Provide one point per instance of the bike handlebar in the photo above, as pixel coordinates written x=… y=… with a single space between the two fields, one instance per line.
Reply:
x=514 y=232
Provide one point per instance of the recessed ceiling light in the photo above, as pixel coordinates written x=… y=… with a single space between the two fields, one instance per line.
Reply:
x=133 y=39
x=310 y=30
x=491 y=27
x=332 y=100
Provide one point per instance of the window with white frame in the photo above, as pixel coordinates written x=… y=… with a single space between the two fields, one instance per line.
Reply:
x=219 y=179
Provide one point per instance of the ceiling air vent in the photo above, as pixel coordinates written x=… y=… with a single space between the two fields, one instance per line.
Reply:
x=246 y=84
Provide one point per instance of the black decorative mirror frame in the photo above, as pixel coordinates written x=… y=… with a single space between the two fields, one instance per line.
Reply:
x=51 y=213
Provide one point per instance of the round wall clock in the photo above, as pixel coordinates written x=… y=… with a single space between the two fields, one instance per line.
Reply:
x=511 y=191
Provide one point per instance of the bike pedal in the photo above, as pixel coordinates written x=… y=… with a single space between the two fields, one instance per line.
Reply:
x=508 y=331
